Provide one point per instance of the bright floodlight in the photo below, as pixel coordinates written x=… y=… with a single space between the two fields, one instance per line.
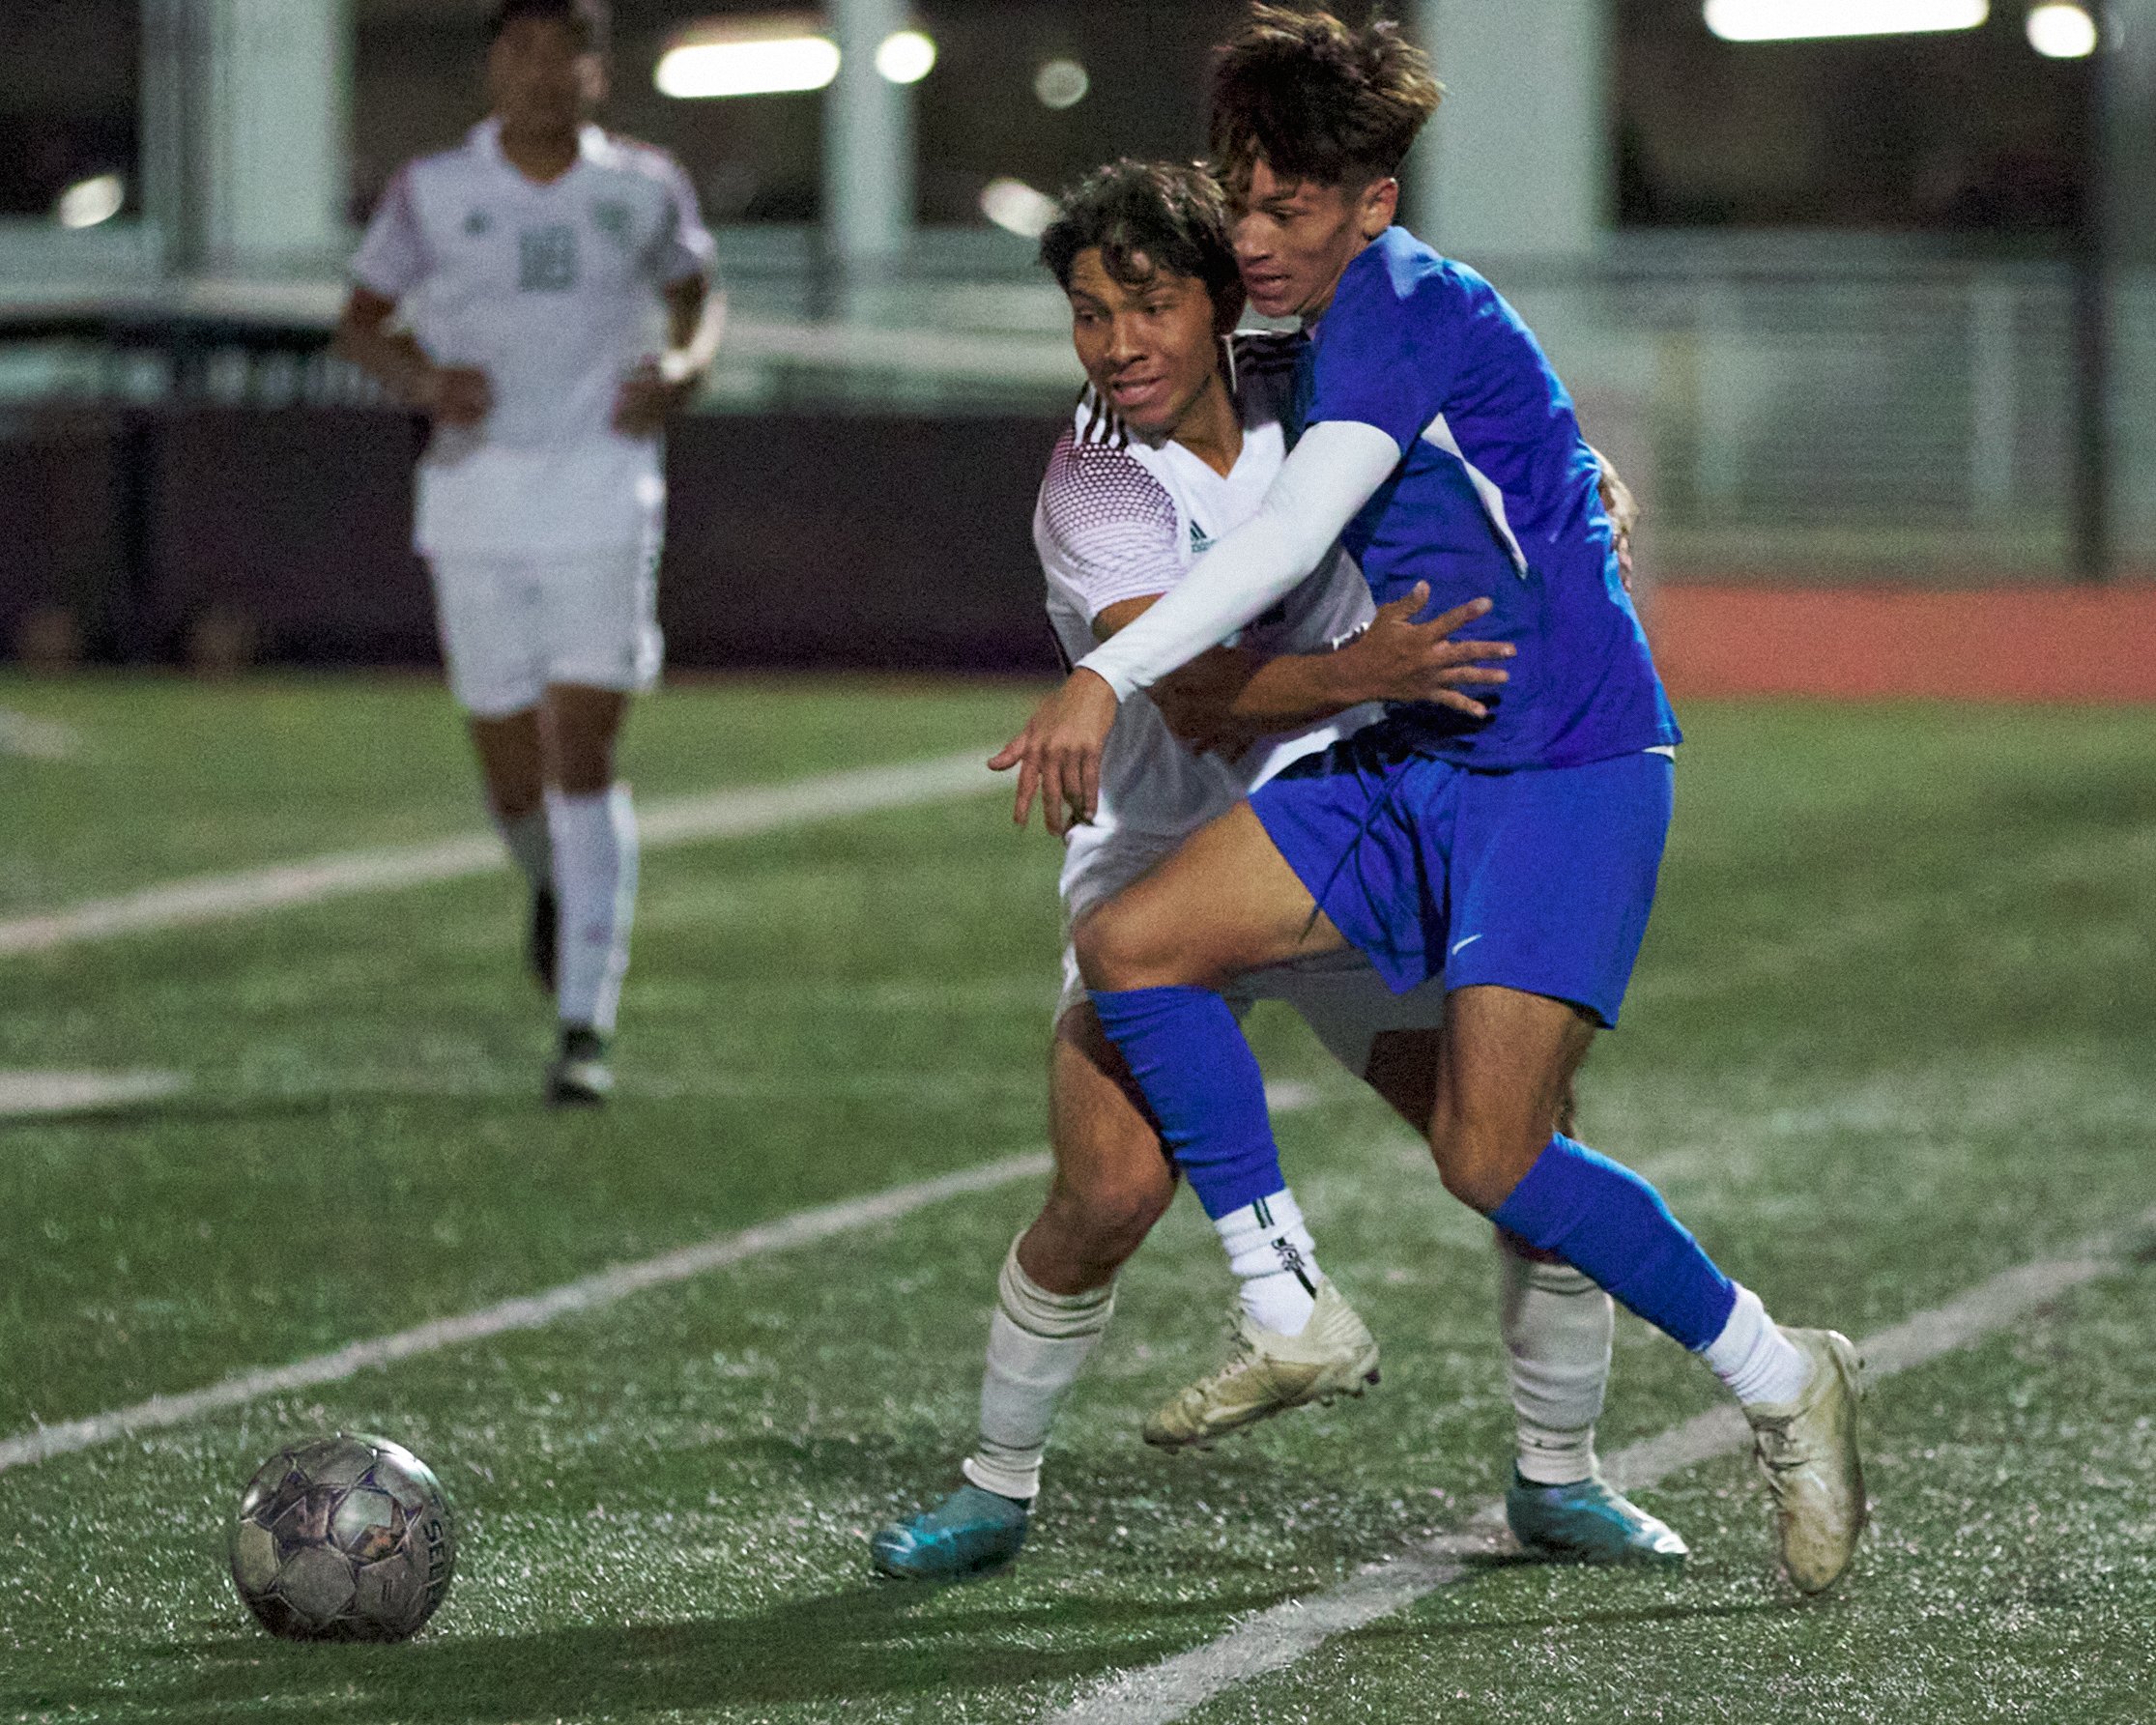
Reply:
x=1797 y=20
x=2062 y=32
x=1061 y=84
x=91 y=201
x=772 y=67
x=1016 y=207
x=908 y=57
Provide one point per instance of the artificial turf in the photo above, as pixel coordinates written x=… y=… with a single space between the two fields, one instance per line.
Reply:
x=1895 y=1030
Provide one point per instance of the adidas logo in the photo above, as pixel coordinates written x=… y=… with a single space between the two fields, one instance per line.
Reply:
x=1201 y=540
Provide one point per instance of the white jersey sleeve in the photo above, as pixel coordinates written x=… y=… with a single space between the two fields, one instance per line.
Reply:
x=1113 y=523
x=683 y=249
x=392 y=258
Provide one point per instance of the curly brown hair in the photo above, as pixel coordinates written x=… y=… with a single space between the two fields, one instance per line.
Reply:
x=1316 y=100
x=1171 y=214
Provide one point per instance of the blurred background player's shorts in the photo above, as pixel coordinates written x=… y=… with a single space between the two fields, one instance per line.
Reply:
x=513 y=624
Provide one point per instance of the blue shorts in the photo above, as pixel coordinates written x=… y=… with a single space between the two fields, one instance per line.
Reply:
x=1540 y=880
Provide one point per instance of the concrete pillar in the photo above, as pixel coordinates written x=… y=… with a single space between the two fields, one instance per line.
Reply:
x=246 y=116
x=868 y=144
x=1519 y=162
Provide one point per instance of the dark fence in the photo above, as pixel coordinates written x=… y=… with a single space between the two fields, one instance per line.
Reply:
x=867 y=542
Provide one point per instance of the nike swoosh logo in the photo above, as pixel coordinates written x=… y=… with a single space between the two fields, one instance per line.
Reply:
x=1459 y=946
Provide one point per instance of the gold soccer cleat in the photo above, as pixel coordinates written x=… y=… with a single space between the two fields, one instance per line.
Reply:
x=1267 y=1374
x=1807 y=1451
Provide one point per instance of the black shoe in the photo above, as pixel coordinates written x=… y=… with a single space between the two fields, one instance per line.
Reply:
x=578 y=1077
x=540 y=945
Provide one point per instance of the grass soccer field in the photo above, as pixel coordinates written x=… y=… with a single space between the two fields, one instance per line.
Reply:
x=1894 y=1035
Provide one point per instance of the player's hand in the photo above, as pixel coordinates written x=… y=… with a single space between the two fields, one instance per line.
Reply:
x=645 y=401
x=453 y=396
x=1058 y=753
x=1622 y=509
x=1399 y=659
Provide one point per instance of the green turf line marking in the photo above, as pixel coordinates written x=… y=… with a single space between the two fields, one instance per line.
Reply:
x=531 y=1312
x=675 y=821
x=25 y=1093
x=535 y=1312
x=1277 y=1637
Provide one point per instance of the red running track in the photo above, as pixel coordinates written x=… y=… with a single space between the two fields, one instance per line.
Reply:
x=2071 y=645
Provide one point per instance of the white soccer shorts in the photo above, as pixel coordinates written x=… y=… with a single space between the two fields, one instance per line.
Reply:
x=511 y=625
x=1339 y=995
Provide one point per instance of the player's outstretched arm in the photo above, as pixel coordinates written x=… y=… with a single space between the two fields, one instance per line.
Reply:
x=1225 y=701
x=368 y=337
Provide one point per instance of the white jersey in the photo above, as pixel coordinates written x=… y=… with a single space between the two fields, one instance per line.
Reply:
x=1121 y=519
x=554 y=292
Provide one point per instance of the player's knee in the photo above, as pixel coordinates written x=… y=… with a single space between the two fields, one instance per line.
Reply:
x=1478 y=1162
x=1115 y=950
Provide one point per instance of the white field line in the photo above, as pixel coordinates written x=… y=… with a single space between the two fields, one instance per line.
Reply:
x=535 y=1312
x=1277 y=1637
x=25 y=1093
x=676 y=820
x=31 y=738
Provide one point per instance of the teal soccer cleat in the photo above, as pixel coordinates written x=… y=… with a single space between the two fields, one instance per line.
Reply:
x=1587 y=1522
x=970 y=1534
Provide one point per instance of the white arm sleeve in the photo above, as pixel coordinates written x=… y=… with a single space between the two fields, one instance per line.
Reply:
x=1332 y=473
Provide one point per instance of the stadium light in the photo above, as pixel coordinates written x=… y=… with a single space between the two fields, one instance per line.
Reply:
x=1061 y=84
x=1801 y=20
x=769 y=66
x=1016 y=207
x=2062 y=31
x=908 y=57
x=89 y=202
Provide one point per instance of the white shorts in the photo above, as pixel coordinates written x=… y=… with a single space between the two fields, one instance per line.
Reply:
x=1339 y=995
x=511 y=625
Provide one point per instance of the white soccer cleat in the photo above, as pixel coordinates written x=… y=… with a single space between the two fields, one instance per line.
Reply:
x=1267 y=1374
x=1807 y=1451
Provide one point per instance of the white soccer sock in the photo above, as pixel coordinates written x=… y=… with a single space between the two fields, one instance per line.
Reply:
x=1274 y=1256
x=1754 y=1357
x=1557 y=1327
x=594 y=878
x=1038 y=1342
x=529 y=846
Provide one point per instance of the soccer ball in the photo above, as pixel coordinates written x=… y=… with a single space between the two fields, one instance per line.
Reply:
x=344 y=1539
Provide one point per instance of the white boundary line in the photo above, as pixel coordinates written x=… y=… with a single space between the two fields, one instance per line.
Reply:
x=1277 y=1637
x=535 y=1312
x=675 y=821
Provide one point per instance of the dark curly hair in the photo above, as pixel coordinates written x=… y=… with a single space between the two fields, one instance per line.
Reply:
x=1147 y=216
x=588 y=18
x=1315 y=100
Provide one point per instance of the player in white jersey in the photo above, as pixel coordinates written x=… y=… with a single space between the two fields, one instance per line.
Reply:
x=543 y=294
x=1174 y=443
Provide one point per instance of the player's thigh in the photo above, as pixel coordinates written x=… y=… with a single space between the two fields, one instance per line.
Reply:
x=1110 y=1168
x=583 y=724
x=487 y=615
x=1389 y=1040
x=513 y=759
x=1505 y=1071
x=1225 y=901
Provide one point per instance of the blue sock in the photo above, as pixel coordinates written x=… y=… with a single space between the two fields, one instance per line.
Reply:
x=1200 y=1079
x=1607 y=1222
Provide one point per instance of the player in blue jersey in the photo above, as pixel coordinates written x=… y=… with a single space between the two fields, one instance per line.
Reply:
x=1513 y=855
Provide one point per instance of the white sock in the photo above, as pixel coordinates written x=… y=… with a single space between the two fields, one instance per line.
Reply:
x=594 y=878
x=1557 y=1327
x=1038 y=1341
x=1273 y=1255
x=529 y=846
x=1754 y=1357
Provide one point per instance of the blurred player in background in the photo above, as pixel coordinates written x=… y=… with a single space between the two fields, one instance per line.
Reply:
x=1511 y=856
x=1174 y=442
x=543 y=293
